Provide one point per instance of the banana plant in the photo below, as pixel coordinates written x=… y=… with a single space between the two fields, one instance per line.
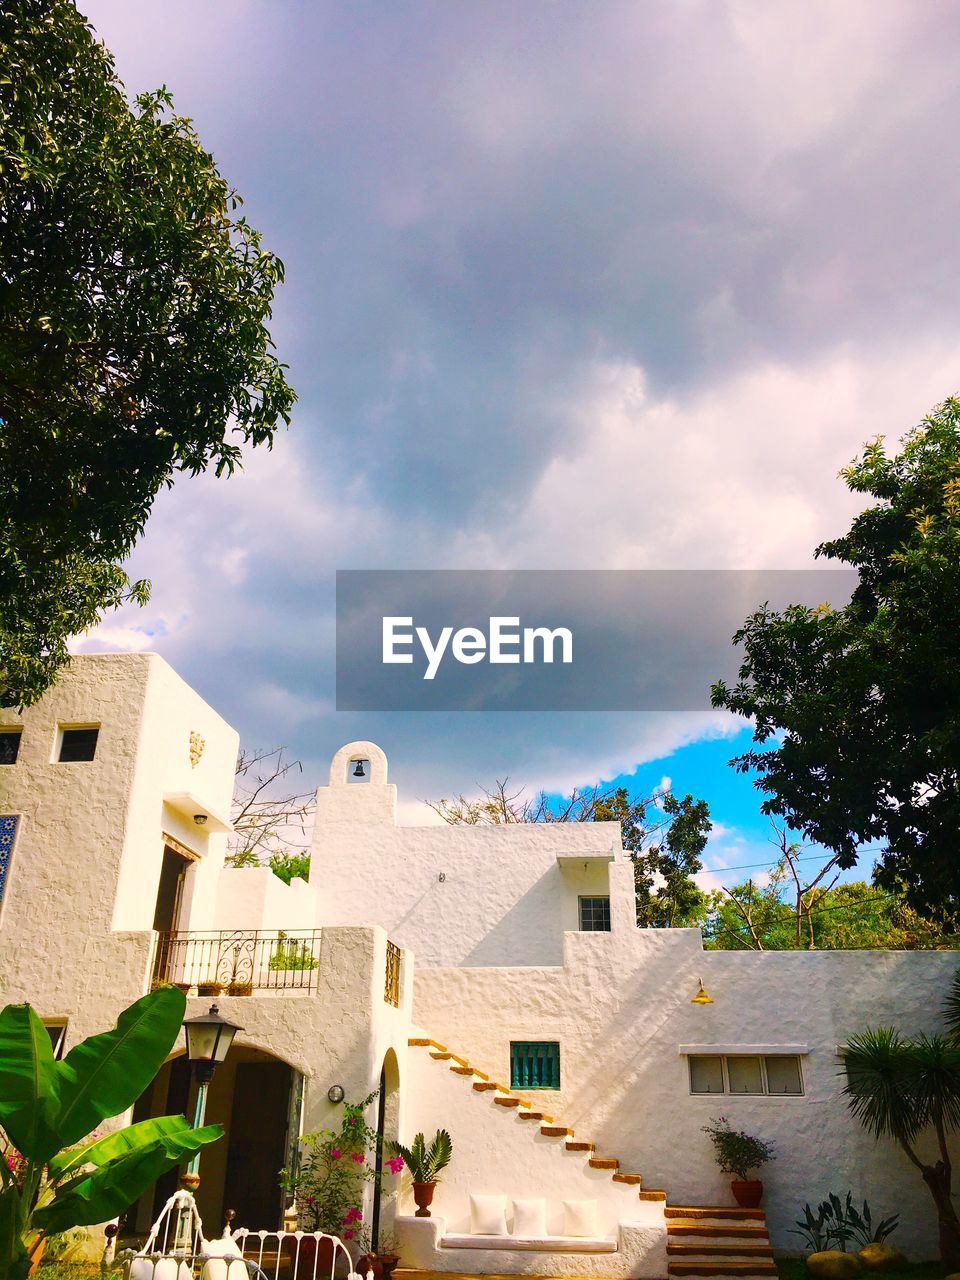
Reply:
x=424 y=1162
x=56 y=1173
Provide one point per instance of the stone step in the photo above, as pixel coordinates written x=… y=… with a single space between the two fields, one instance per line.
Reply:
x=743 y=1230
x=536 y=1115
x=580 y=1146
x=603 y=1162
x=420 y=1042
x=748 y=1267
x=713 y=1211
x=702 y=1249
x=464 y=1069
x=507 y=1102
x=555 y=1131
x=653 y=1193
x=485 y=1086
x=631 y=1179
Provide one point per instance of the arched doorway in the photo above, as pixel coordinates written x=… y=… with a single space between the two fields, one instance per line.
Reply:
x=256 y=1097
x=388 y=1129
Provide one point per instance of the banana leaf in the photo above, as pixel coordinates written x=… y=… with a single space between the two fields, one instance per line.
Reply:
x=29 y=1085
x=102 y=1193
x=105 y=1074
x=98 y=1151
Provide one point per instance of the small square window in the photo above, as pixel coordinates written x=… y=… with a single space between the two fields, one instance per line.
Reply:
x=706 y=1075
x=783 y=1075
x=57 y=1031
x=744 y=1075
x=595 y=915
x=78 y=744
x=534 y=1064
x=10 y=745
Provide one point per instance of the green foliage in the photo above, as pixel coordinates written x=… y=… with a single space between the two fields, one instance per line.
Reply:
x=864 y=701
x=288 y=866
x=52 y=1181
x=901 y=1088
x=426 y=1163
x=735 y=1151
x=292 y=954
x=133 y=330
x=334 y=1167
x=838 y=1222
x=852 y=916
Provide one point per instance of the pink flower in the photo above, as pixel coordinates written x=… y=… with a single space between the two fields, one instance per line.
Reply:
x=395 y=1164
x=348 y=1234
x=335 y=1153
x=353 y=1119
x=358 y=1157
x=352 y=1215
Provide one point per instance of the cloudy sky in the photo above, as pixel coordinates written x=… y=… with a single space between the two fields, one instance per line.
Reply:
x=569 y=285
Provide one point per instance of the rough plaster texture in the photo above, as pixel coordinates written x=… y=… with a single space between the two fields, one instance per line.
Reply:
x=504 y=898
x=620 y=1009
x=74 y=928
x=254 y=898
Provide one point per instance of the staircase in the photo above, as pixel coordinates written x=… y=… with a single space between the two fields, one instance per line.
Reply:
x=718 y=1242
x=701 y=1241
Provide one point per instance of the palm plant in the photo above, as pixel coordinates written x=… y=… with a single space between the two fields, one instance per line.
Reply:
x=897 y=1088
x=424 y=1162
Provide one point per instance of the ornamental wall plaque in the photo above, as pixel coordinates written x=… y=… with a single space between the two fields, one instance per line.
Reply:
x=197 y=743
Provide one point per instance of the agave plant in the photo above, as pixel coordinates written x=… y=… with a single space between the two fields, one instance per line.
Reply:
x=424 y=1162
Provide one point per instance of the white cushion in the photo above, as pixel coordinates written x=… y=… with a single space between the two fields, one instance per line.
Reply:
x=488 y=1215
x=546 y=1244
x=580 y=1218
x=529 y=1219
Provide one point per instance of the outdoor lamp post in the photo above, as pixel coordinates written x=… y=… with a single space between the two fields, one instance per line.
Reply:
x=209 y=1037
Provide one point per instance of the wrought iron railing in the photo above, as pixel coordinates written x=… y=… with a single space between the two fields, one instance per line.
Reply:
x=391 y=986
x=238 y=962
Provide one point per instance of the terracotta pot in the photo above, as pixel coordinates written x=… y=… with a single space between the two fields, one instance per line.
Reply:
x=315 y=1257
x=36 y=1257
x=423 y=1194
x=240 y=989
x=209 y=988
x=387 y=1263
x=747 y=1192
x=370 y=1264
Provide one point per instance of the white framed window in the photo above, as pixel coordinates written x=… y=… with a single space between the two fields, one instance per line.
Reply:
x=745 y=1073
x=57 y=1031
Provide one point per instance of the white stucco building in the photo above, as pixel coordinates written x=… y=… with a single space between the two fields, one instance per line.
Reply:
x=492 y=979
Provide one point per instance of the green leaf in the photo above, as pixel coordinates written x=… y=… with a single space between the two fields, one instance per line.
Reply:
x=98 y=1151
x=106 y=1073
x=28 y=1083
x=106 y=1191
x=14 y=1263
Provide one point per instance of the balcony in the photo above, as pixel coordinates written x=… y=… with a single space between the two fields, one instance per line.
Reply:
x=239 y=962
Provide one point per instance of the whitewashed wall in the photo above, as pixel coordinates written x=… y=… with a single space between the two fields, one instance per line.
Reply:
x=455 y=895
x=620 y=1009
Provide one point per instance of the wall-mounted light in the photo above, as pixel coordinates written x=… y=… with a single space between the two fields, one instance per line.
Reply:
x=200 y=819
x=335 y=1093
x=701 y=997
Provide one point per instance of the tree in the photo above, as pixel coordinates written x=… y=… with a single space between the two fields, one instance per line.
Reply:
x=863 y=701
x=898 y=1088
x=55 y=1172
x=663 y=835
x=133 y=330
x=266 y=825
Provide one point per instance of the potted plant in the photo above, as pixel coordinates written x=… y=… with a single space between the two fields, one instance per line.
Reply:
x=424 y=1164
x=329 y=1184
x=737 y=1152
x=209 y=988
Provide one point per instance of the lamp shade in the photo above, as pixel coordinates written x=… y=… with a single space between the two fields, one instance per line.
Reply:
x=209 y=1037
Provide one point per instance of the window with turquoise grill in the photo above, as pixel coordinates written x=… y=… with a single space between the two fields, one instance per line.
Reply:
x=534 y=1064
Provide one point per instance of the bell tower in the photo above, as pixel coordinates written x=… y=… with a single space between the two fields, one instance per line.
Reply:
x=357 y=791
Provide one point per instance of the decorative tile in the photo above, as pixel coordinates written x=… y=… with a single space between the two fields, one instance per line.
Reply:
x=8 y=833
